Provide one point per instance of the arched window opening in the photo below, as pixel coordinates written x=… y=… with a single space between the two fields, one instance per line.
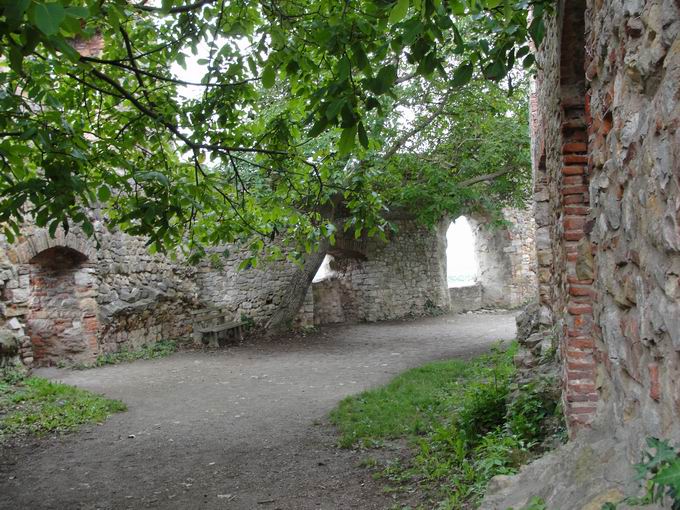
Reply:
x=461 y=262
x=324 y=272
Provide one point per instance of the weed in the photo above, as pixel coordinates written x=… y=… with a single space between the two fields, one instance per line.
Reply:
x=659 y=471
x=36 y=406
x=158 y=349
x=248 y=322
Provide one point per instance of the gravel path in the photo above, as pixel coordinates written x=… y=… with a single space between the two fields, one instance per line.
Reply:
x=240 y=428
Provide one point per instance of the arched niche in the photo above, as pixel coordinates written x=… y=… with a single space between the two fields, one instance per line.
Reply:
x=62 y=318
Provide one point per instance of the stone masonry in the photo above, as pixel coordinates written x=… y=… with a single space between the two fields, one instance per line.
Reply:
x=407 y=275
x=607 y=167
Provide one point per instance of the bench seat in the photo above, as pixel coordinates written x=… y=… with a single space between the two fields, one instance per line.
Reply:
x=215 y=327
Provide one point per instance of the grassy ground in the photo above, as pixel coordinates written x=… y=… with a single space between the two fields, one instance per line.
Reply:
x=158 y=349
x=33 y=406
x=463 y=422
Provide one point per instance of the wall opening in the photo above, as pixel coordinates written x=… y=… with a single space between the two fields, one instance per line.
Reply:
x=62 y=318
x=462 y=269
x=324 y=272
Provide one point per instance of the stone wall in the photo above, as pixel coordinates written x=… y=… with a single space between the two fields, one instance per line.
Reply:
x=66 y=299
x=465 y=299
x=607 y=187
x=506 y=256
x=405 y=276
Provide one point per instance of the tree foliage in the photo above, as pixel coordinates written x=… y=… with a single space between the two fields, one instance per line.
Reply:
x=264 y=140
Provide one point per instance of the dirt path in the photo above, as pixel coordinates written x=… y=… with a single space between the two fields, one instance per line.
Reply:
x=240 y=428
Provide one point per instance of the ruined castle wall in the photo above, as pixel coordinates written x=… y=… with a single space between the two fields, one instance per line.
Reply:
x=405 y=276
x=607 y=187
x=65 y=298
x=634 y=136
x=256 y=293
x=142 y=298
x=506 y=256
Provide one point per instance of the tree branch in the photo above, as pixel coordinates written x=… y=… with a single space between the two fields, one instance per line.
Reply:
x=483 y=178
x=426 y=122
x=175 y=10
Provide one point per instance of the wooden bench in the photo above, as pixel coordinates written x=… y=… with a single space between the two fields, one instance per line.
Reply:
x=214 y=328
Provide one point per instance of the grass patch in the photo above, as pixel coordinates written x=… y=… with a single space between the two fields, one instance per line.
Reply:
x=35 y=406
x=464 y=422
x=158 y=349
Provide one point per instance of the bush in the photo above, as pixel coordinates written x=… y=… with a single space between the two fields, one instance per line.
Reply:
x=534 y=404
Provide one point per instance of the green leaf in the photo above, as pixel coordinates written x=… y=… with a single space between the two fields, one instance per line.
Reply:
x=268 y=77
x=14 y=12
x=462 y=75
x=16 y=58
x=495 y=70
x=104 y=193
x=669 y=476
x=153 y=176
x=398 y=12
x=386 y=77
x=48 y=17
x=363 y=137
x=537 y=30
x=75 y=11
x=347 y=140
x=360 y=57
x=318 y=127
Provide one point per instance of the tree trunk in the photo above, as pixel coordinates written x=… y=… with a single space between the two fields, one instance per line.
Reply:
x=283 y=318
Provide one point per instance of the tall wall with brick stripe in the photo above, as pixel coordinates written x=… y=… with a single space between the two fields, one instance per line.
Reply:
x=606 y=158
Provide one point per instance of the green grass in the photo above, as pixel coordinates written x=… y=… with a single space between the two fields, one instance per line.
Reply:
x=409 y=405
x=158 y=349
x=34 y=406
x=463 y=421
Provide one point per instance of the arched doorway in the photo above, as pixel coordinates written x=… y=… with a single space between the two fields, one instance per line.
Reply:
x=62 y=317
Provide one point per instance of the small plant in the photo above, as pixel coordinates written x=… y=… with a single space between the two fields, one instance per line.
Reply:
x=536 y=503
x=432 y=309
x=248 y=322
x=158 y=349
x=659 y=472
x=534 y=405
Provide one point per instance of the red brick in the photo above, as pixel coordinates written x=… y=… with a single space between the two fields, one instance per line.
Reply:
x=572 y=179
x=582 y=410
x=575 y=210
x=574 y=190
x=580 y=397
x=572 y=147
x=580 y=309
x=655 y=385
x=571 y=159
x=573 y=199
x=574 y=223
x=580 y=290
x=574 y=235
x=582 y=388
x=575 y=281
x=582 y=366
